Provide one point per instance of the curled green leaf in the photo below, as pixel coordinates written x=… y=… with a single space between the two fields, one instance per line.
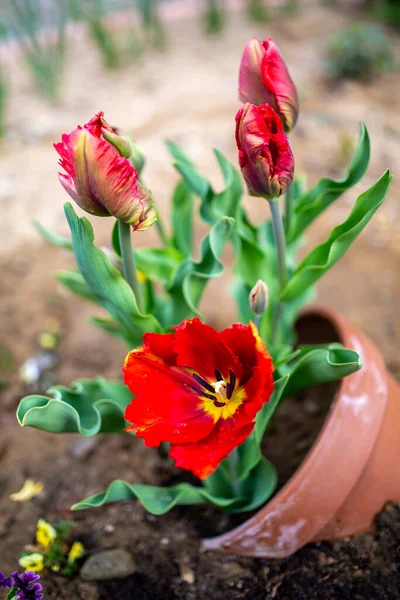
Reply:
x=253 y=492
x=88 y=407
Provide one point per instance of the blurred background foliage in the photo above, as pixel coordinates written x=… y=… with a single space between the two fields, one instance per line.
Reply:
x=40 y=28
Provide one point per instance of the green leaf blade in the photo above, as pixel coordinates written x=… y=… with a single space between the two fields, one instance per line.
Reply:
x=328 y=190
x=106 y=283
x=325 y=255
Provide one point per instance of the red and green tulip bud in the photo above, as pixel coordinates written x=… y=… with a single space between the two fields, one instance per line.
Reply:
x=265 y=157
x=99 y=176
x=258 y=298
x=264 y=79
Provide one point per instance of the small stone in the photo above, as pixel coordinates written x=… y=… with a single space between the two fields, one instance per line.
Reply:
x=164 y=541
x=88 y=591
x=311 y=408
x=109 y=528
x=110 y=564
x=231 y=570
x=187 y=573
x=83 y=447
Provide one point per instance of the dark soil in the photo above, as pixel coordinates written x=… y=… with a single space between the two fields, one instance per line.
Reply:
x=365 y=567
x=365 y=287
x=170 y=564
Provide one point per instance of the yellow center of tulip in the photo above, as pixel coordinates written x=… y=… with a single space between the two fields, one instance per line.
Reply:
x=220 y=399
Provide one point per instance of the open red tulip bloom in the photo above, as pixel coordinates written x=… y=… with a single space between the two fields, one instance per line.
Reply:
x=198 y=389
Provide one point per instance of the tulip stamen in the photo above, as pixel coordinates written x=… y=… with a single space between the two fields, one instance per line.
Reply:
x=203 y=383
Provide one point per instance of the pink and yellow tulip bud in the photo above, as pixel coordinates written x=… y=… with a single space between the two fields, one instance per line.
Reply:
x=100 y=178
x=258 y=298
x=265 y=157
x=264 y=79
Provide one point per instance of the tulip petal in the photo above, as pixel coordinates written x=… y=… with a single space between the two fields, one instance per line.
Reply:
x=251 y=84
x=166 y=407
x=278 y=82
x=202 y=458
x=201 y=348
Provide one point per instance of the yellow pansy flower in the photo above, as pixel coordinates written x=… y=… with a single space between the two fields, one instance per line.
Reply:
x=76 y=552
x=32 y=562
x=45 y=533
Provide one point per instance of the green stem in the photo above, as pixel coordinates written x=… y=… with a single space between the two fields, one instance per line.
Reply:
x=159 y=224
x=288 y=209
x=280 y=241
x=128 y=262
x=233 y=458
x=256 y=320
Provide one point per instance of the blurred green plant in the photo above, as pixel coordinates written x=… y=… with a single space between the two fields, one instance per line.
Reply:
x=44 y=54
x=389 y=11
x=100 y=34
x=359 y=52
x=215 y=17
x=257 y=11
x=152 y=26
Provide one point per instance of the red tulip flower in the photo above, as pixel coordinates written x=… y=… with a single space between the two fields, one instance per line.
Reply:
x=265 y=156
x=100 y=178
x=198 y=389
x=264 y=79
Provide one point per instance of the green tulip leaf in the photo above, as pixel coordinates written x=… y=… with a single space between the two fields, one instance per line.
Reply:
x=191 y=278
x=182 y=219
x=155 y=499
x=327 y=190
x=251 y=263
x=258 y=487
x=253 y=260
x=158 y=264
x=53 y=238
x=75 y=283
x=177 y=153
x=265 y=415
x=214 y=205
x=253 y=492
x=109 y=325
x=320 y=364
x=88 y=407
x=324 y=256
x=106 y=283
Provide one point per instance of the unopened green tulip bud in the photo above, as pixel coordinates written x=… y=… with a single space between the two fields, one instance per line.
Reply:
x=126 y=147
x=258 y=298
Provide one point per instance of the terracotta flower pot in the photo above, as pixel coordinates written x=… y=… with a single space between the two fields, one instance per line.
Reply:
x=350 y=472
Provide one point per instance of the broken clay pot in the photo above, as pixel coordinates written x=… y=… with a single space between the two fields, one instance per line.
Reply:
x=351 y=470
